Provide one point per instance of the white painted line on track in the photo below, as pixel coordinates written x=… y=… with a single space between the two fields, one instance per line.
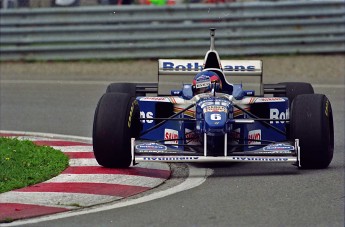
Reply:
x=34 y=138
x=74 y=148
x=131 y=180
x=196 y=177
x=83 y=162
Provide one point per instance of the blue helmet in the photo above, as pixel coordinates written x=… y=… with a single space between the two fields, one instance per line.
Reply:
x=204 y=81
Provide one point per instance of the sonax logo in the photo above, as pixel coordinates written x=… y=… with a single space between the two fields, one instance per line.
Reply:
x=254 y=137
x=170 y=134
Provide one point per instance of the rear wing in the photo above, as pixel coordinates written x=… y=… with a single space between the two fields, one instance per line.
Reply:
x=169 y=70
x=192 y=67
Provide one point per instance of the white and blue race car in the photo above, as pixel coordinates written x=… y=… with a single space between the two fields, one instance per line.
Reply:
x=286 y=122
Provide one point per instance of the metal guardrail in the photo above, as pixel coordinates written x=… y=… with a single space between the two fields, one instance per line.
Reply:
x=135 y=31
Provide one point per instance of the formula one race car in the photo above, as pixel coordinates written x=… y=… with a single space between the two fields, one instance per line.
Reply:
x=212 y=120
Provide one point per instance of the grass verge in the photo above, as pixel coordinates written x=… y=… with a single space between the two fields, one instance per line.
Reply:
x=22 y=163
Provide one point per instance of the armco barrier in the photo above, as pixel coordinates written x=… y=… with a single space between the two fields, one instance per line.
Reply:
x=135 y=31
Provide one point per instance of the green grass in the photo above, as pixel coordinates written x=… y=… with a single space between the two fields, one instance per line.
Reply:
x=22 y=163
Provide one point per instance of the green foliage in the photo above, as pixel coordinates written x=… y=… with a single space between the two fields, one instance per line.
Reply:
x=22 y=163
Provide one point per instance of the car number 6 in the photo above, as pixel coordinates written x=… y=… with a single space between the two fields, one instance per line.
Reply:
x=216 y=117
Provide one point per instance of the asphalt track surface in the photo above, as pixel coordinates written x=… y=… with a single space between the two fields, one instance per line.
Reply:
x=233 y=195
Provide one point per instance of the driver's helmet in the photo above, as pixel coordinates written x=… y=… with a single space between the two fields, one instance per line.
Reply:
x=204 y=81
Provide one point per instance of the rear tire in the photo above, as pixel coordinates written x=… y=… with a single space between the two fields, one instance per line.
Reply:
x=294 y=89
x=129 y=88
x=312 y=123
x=116 y=120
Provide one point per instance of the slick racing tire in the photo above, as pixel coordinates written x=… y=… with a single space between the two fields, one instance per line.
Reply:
x=116 y=120
x=311 y=122
x=129 y=88
x=294 y=89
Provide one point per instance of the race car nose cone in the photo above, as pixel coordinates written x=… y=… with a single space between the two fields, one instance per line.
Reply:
x=215 y=122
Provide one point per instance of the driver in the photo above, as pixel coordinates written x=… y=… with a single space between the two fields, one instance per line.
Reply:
x=205 y=81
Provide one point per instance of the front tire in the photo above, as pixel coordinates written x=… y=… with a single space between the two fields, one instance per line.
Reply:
x=312 y=123
x=115 y=122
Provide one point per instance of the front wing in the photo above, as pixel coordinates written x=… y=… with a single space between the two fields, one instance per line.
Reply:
x=144 y=151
